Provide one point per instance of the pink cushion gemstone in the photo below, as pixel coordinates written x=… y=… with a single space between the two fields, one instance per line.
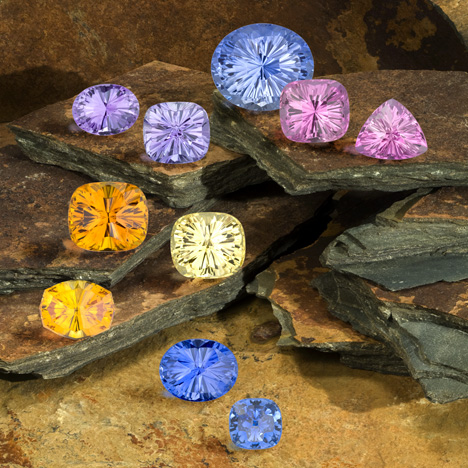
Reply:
x=314 y=111
x=391 y=132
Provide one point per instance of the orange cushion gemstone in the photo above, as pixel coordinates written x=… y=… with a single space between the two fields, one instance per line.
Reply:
x=108 y=216
x=76 y=309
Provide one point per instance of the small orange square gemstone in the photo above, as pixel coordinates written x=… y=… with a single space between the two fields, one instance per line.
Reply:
x=108 y=216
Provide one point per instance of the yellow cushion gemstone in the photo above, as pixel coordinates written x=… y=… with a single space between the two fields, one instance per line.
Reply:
x=208 y=245
x=76 y=309
x=108 y=216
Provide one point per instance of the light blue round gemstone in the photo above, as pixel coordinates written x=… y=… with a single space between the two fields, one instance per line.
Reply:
x=253 y=64
x=198 y=370
x=255 y=423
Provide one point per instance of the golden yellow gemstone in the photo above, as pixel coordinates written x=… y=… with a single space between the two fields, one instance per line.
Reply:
x=108 y=216
x=76 y=309
x=208 y=245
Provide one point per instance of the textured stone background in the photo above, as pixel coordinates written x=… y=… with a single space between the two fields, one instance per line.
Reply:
x=51 y=49
x=116 y=413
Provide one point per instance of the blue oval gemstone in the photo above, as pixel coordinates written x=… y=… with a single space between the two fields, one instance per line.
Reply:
x=253 y=64
x=198 y=370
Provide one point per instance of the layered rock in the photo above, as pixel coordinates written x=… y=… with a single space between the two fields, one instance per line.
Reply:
x=436 y=99
x=51 y=136
x=419 y=240
x=35 y=246
x=155 y=296
x=426 y=327
x=302 y=312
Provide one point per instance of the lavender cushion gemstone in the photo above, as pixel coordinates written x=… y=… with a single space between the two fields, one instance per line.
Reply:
x=176 y=132
x=105 y=109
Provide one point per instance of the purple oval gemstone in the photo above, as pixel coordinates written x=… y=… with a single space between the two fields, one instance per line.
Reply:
x=105 y=109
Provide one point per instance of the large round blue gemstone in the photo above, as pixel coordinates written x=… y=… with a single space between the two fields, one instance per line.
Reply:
x=198 y=370
x=253 y=64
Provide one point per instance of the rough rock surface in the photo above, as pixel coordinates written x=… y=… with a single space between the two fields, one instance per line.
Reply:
x=51 y=136
x=303 y=313
x=457 y=14
x=35 y=246
x=72 y=44
x=421 y=239
x=116 y=413
x=155 y=296
x=437 y=100
x=427 y=327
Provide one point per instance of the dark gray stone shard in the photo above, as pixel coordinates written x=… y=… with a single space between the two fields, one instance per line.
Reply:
x=432 y=344
x=419 y=240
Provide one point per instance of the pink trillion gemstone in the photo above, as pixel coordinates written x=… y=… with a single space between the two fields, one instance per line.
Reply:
x=314 y=111
x=391 y=132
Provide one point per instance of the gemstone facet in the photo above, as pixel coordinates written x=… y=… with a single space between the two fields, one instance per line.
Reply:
x=208 y=245
x=176 y=132
x=391 y=132
x=75 y=309
x=255 y=423
x=105 y=109
x=252 y=64
x=108 y=216
x=314 y=111
x=198 y=370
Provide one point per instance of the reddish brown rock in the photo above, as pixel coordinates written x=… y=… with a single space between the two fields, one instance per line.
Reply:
x=52 y=53
x=303 y=313
x=437 y=100
x=155 y=296
x=50 y=136
x=35 y=246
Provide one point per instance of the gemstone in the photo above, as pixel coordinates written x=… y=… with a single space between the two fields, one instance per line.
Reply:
x=391 y=132
x=75 y=309
x=198 y=370
x=252 y=65
x=176 y=132
x=255 y=423
x=108 y=216
x=105 y=109
x=314 y=111
x=208 y=245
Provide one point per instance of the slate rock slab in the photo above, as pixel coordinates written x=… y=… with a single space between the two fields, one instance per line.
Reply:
x=51 y=136
x=437 y=100
x=427 y=327
x=35 y=246
x=303 y=313
x=419 y=240
x=155 y=296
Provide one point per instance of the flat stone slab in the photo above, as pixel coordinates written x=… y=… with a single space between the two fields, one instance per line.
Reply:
x=303 y=313
x=419 y=240
x=35 y=246
x=427 y=327
x=51 y=136
x=155 y=296
x=437 y=100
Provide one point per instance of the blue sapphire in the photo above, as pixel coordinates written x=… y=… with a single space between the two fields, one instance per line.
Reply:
x=253 y=64
x=198 y=370
x=255 y=423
